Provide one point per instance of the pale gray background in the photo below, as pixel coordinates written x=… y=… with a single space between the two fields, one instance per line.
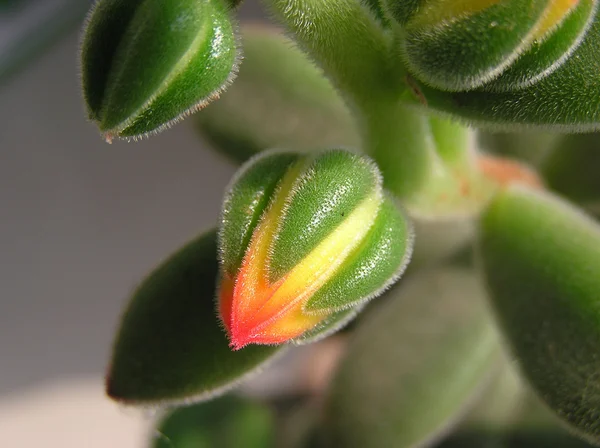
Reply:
x=82 y=221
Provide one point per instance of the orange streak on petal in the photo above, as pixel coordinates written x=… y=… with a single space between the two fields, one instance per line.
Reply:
x=226 y=300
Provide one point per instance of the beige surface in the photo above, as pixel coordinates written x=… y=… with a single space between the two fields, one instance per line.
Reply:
x=80 y=223
x=71 y=413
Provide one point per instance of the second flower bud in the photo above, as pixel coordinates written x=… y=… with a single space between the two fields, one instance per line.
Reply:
x=303 y=239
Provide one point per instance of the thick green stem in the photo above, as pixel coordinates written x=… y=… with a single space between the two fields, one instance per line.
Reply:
x=454 y=143
x=400 y=141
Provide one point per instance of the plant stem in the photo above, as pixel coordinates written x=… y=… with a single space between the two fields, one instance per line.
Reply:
x=399 y=139
x=347 y=42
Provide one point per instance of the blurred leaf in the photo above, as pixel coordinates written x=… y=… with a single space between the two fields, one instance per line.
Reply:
x=509 y=414
x=541 y=259
x=518 y=438
x=436 y=240
x=413 y=363
x=171 y=346
x=229 y=422
x=279 y=100
x=573 y=168
x=529 y=146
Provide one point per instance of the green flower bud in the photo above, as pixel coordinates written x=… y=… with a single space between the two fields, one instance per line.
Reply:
x=302 y=239
x=511 y=64
x=460 y=45
x=148 y=63
x=541 y=259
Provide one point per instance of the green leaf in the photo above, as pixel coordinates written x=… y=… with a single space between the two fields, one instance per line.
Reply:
x=515 y=438
x=571 y=169
x=403 y=10
x=413 y=363
x=508 y=404
x=541 y=259
x=170 y=346
x=229 y=422
x=462 y=47
x=279 y=100
x=568 y=100
x=147 y=64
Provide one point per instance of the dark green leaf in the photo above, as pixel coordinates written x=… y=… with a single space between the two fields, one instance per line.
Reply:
x=229 y=422
x=171 y=346
x=516 y=438
x=573 y=169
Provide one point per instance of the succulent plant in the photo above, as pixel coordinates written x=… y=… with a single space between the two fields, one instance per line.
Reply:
x=362 y=142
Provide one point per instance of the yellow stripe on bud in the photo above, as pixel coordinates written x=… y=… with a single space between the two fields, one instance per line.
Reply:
x=272 y=313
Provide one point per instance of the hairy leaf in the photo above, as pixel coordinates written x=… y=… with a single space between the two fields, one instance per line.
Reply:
x=567 y=100
x=541 y=259
x=413 y=363
x=170 y=346
x=571 y=169
x=463 y=45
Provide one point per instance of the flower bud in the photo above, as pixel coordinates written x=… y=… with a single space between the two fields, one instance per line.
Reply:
x=302 y=238
x=498 y=44
x=148 y=63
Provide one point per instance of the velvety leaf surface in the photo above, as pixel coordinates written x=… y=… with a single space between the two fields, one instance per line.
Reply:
x=403 y=10
x=170 y=346
x=452 y=46
x=379 y=12
x=161 y=61
x=573 y=169
x=413 y=363
x=541 y=260
x=279 y=100
x=228 y=422
x=567 y=100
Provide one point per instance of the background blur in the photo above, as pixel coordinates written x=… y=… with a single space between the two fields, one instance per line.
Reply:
x=81 y=222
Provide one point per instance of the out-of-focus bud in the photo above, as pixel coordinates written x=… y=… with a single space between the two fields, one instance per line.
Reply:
x=303 y=238
x=148 y=63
